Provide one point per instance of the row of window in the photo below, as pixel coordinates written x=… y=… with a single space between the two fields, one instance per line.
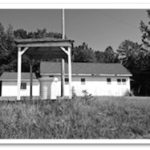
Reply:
x=119 y=81
x=82 y=80
x=24 y=85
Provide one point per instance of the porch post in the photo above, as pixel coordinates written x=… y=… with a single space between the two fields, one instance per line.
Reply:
x=20 y=53
x=19 y=73
x=31 y=78
x=62 y=77
x=70 y=72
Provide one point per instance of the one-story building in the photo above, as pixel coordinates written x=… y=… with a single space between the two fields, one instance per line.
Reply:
x=97 y=79
x=8 y=85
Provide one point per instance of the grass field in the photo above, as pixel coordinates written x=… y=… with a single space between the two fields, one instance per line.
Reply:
x=79 y=118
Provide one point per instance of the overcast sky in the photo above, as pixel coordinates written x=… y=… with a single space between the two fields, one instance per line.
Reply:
x=99 y=28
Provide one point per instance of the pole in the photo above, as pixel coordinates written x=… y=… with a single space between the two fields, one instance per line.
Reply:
x=62 y=60
x=31 y=79
x=63 y=24
x=20 y=53
x=70 y=72
x=62 y=77
x=19 y=73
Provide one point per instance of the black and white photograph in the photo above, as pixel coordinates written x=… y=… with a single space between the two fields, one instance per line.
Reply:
x=75 y=74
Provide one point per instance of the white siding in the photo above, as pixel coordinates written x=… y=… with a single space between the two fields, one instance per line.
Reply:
x=97 y=86
x=9 y=88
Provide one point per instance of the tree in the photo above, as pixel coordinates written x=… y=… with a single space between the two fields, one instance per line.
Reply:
x=128 y=54
x=7 y=47
x=108 y=56
x=144 y=58
x=83 y=53
x=20 y=34
x=145 y=29
x=100 y=56
x=39 y=33
x=137 y=59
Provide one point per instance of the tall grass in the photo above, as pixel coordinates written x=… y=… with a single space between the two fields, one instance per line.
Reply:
x=79 y=118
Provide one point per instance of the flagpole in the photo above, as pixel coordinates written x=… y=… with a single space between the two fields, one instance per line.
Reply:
x=62 y=60
x=63 y=23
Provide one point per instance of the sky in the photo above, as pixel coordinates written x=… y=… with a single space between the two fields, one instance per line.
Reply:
x=99 y=28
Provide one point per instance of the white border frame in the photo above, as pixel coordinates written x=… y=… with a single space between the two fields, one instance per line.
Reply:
x=75 y=141
x=75 y=6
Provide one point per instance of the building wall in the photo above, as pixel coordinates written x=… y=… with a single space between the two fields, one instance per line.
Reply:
x=97 y=86
x=9 y=88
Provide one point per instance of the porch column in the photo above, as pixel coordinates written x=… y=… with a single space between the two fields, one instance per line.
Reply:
x=69 y=72
x=31 y=78
x=20 y=53
x=62 y=77
x=68 y=52
x=19 y=73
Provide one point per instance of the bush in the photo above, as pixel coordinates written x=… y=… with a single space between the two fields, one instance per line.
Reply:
x=129 y=93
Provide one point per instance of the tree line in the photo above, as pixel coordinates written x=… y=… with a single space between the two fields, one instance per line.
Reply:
x=134 y=56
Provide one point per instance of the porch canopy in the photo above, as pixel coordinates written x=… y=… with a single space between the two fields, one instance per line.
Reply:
x=43 y=49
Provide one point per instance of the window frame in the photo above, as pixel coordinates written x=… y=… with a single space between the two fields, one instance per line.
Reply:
x=108 y=80
x=66 y=80
x=23 y=86
x=83 y=81
x=124 y=81
x=119 y=81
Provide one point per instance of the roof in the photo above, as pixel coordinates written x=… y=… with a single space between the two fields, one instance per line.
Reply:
x=95 y=69
x=13 y=76
x=45 y=48
x=41 y=40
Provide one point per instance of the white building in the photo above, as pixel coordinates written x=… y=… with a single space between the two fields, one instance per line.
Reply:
x=95 y=78
x=8 y=85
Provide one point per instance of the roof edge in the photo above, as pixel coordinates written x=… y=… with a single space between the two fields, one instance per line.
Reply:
x=98 y=75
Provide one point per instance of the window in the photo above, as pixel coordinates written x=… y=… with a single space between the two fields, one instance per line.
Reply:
x=124 y=81
x=66 y=80
x=119 y=81
x=23 y=86
x=82 y=80
x=108 y=80
x=51 y=76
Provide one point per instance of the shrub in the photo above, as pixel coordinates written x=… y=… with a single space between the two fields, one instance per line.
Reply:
x=129 y=93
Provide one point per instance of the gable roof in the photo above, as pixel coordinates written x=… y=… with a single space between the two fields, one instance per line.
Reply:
x=13 y=76
x=95 y=69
